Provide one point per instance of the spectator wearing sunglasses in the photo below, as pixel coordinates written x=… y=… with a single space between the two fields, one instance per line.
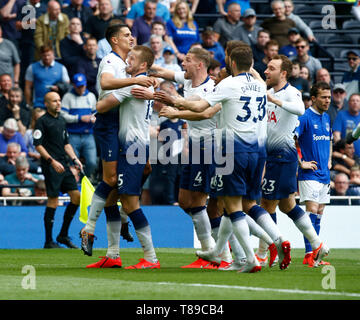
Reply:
x=303 y=56
x=351 y=78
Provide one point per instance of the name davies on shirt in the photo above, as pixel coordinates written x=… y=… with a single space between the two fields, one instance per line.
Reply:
x=250 y=87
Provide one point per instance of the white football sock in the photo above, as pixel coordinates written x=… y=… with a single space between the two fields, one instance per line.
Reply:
x=145 y=238
x=96 y=207
x=203 y=229
x=257 y=231
x=113 y=235
x=242 y=234
x=305 y=226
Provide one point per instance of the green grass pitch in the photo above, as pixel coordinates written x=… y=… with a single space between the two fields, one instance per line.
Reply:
x=60 y=274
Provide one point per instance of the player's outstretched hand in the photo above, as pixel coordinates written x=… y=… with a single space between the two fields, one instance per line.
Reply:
x=164 y=98
x=168 y=112
x=142 y=93
x=145 y=81
x=308 y=165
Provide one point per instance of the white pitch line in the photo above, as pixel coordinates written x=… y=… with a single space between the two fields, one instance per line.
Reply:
x=291 y=291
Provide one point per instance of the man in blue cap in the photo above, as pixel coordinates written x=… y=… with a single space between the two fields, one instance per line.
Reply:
x=78 y=107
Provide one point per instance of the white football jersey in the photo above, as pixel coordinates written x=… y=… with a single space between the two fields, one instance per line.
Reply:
x=202 y=127
x=282 y=123
x=134 y=118
x=243 y=100
x=113 y=64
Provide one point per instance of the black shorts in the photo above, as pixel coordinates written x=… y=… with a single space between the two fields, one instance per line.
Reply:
x=58 y=182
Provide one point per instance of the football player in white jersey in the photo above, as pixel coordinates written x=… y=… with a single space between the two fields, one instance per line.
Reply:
x=111 y=75
x=280 y=183
x=240 y=96
x=134 y=139
x=196 y=175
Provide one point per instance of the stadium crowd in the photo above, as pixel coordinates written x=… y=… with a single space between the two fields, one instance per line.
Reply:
x=58 y=46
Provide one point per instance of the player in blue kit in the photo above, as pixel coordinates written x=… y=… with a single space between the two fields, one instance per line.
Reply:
x=134 y=140
x=280 y=184
x=239 y=96
x=111 y=76
x=314 y=138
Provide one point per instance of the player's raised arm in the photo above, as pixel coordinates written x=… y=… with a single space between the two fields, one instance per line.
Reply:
x=160 y=72
x=109 y=82
x=171 y=113
x=180 y=102
x=106 y=104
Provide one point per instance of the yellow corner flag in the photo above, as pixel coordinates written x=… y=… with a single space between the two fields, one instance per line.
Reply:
x=87 y=191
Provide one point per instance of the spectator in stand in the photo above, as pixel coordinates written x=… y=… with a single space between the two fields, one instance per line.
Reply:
x=141 y=28
x=77 y=9
x=182 y=29
x=78 y=108
x=26 y=25
x=223 y=5
x=8 y=12
x=51 y=28
x=169 y=62
x=278 y=25
x=204 y=7
x=305 y=73
x=351 y=78
x=341 y=188
x=11 y=134
x=33 y=154
x=248 y=31
x=225 y=26
x=306 y=98
x=71 y=47
x=344 y=158
x=312 y=63
x=296 y=81
x=96 y=25
x=44 y=76
x=104 y=47
x=9 y=59
x=6 y=84
x=338 y=102
x=88 y=64
x=210 y=44
x=21 y=178
x=159 y=28
x=7 y=162
x=15 y=109
x=138 y=10
x=263 y=37
x=300 y=24
x=271 y=50
x=323 y=75
x=355 y=178
x=156 y=46
x=290 y=49
x=347 y=120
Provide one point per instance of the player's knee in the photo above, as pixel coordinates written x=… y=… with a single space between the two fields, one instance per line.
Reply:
x=111 y=180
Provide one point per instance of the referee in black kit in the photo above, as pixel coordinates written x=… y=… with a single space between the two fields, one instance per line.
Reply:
x=51 y=141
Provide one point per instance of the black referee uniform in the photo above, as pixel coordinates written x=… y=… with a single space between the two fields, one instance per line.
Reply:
x=50 y=132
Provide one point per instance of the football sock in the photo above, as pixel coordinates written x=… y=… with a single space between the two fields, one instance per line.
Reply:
x=303 y=223
x=312 y=217
x=236 y=248
x=215 y=224
x=225 y=231
x=267 y=223
x=113 y=227
x=68 y=217
x=143 y=232
x=123 y=216
x=242 y=234
x=49 y=222
x=202 y=226
x=257 y=231
x=98 y=201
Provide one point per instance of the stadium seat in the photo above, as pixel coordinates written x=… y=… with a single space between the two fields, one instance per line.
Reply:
x=316 y=25
x=351 y=24
x=339 y=39
x=301 y=9
x=341 y=66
